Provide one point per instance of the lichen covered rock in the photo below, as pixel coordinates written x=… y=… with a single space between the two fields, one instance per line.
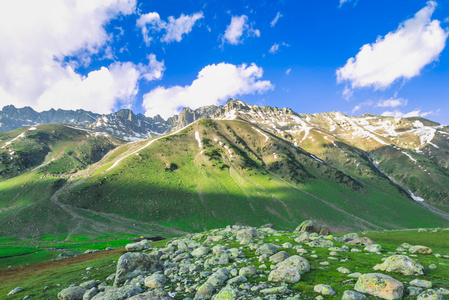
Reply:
x=380 y=285
x=401 y=264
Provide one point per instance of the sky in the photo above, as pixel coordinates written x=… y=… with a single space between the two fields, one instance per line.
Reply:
x=156 y=57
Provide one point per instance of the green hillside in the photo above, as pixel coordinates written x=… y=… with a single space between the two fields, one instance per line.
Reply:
x=241 y=174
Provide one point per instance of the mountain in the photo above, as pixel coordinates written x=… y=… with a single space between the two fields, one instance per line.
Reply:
x=233 y=164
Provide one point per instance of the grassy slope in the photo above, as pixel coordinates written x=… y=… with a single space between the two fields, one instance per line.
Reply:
x=212 y=189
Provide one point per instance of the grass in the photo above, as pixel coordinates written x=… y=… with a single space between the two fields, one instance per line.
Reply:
x=59 y=274
x=22 y=251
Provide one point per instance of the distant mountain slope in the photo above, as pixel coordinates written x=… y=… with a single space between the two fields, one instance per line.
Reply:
x=213 y=166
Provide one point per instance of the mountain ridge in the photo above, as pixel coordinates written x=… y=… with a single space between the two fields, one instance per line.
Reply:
x=234 y=163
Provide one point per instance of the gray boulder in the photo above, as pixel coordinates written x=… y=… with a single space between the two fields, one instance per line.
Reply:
x=352 y=295
x=139 y=246
x=226 y=293
x=421 y=283
x=247 y=271
x=155 y=281
x=89 y=294
x=16 y=290
x=324 y=289
x=132 y=264
x=200 y=251
x=72 y=293
x=312 y=226
x=402 y=264
x=284 y=275
x=420 y=250
x=156 y=294
x=380 y=285
x=267 y=249
x=295 y=262
x=278 y=257
x=205 y=291
x=115 y=293
x=430 y=295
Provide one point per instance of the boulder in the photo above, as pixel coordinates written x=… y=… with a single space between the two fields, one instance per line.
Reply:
x=226 y=293
x=155 y=281
x=421 y=283
x=429 y=295
x=132 y=264
x=200 y=251
x=16 y=290
x=295 y=262
x=311 y=226
x=373 y=248
x=278 y=257
x=205 y=291
x=402 y=264
x=284 y=275
x=218 y=278
x=352 y=295
x=72 y=293
x=157 y=294
x=247 y=271
x=321 y=243
x=89 y=294
x=139 y=246
x=380 y=285
x=344 y=270
x=420 y=250
x=115 y=293
x=267 y=249
x=324 y=289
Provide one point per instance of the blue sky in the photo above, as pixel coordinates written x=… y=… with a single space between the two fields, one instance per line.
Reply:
x=155 y=57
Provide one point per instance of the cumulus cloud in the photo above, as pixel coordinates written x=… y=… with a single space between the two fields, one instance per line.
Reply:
x=40 y=35
x=154 y=70
x=392 y=102
x=402 y=53
x=238 y=27
x=276 y=19
x=288 y=71
x=174 y=28
x=415 y=113
x=214 y=85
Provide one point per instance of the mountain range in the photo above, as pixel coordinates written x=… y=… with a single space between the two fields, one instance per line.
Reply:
x=77 y=172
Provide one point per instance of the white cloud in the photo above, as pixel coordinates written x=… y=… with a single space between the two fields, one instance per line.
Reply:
x=274 y=48
x=392 y=102
x=154 y=70
x=99 y=91
x=214 y=84
x=174 y=28
x=276 y=19
x=415 y=113
x=238 y=27
x=288 y=71
x=40 y=35
x=400 y=54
